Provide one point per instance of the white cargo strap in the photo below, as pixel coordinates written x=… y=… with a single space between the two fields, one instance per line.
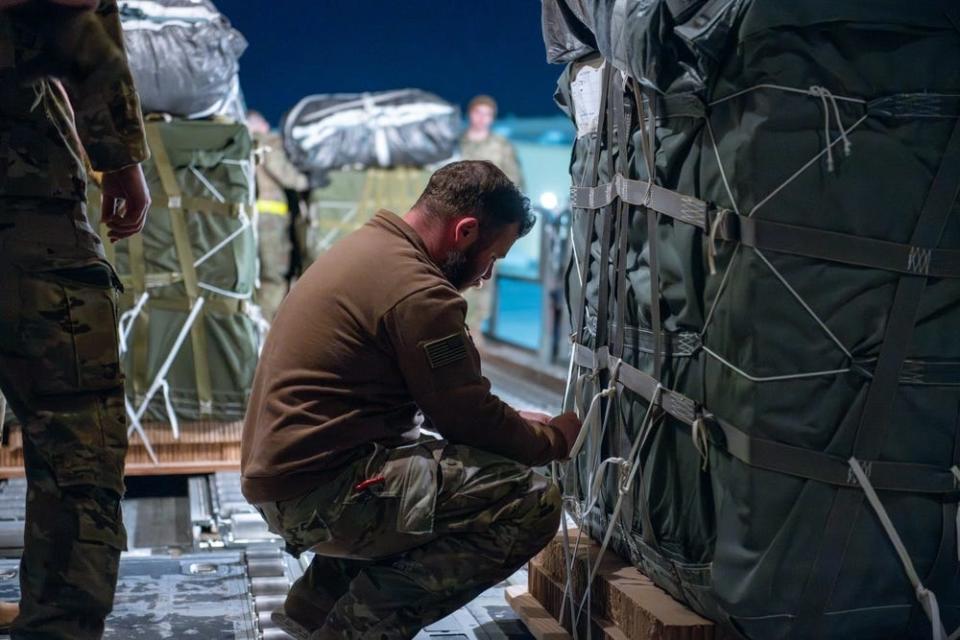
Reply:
x=136 y=426
x=160 y=381
x=927 y=599
x=632 y=465
x=127 y=319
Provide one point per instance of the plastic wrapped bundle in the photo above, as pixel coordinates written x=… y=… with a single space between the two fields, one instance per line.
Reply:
x=405 y=128
x=184 y=56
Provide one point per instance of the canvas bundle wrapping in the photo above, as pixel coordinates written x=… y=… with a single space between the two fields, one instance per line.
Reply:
x=766 y=332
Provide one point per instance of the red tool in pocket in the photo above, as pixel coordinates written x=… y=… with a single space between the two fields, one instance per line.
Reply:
x=366 y=484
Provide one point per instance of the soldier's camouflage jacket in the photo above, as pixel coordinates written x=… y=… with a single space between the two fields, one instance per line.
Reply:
x=43 y=135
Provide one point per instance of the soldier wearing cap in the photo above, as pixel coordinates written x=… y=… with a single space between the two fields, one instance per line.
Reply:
x=369 y=347
x=66 y=96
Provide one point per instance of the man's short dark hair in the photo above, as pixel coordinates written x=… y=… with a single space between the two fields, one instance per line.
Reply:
x=477 y=188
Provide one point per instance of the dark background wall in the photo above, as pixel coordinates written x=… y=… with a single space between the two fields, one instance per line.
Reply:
x=455 y=48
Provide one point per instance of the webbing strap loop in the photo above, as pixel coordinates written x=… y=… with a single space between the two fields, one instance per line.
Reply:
x=181 y=240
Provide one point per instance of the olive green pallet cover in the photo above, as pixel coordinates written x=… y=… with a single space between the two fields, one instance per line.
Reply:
x=350 y=198
x=200 y=176
x=745 y=505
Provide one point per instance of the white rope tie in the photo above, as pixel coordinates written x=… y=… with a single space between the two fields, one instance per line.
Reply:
x=828 y=100
x=631 y=467
x=701 y=441
x=712 y=240
x=927 y=599
x=171 y=414
x=128 y=318
x=207 y=184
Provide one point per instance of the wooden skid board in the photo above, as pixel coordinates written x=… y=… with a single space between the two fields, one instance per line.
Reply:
x=620 y=594
x=203 y=447
x=549 y=594
x=539 y=621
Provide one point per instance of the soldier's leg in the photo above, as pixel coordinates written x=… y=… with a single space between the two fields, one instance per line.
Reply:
x=313 y=596
x=275 y=250
x=60 y=371
x=491 y=516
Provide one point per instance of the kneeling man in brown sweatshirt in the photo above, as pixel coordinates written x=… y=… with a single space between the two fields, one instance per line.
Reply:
x=369 y=346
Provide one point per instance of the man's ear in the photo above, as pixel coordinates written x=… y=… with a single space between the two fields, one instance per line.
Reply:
x=467 y=231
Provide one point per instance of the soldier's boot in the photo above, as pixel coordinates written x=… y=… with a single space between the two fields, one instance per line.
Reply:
x=312 y=597
x=8 y=613
x=489 y=527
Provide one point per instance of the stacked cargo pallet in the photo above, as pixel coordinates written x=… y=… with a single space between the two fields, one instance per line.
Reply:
x=188 y=332
x=364 y=152
x=765 y=293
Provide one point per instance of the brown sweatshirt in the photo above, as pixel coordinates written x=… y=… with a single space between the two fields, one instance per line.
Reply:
x=370 y=334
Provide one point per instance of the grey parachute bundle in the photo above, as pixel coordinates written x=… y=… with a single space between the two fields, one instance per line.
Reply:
x=404 y=128
x=184 y=57
x=767 y=332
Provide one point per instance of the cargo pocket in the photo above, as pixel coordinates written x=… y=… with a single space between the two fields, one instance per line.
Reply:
x=68 y=329
x=410 y=476
x=99 y=521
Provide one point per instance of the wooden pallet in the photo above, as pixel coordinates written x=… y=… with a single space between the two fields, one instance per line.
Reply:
x=203 y=447
x=625 y=603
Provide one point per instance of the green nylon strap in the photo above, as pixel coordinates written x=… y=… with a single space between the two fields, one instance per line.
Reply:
x=208 y=205
x=767 y=454
x=138 y=355
x=181 y=241
x=881 y=394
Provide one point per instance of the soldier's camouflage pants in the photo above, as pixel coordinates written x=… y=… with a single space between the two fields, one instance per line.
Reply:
x=60 y=372
x=436 y=525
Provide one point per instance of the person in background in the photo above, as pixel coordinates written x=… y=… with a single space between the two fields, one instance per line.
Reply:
x=478 y=142
x=276 y=176
x=65 y=93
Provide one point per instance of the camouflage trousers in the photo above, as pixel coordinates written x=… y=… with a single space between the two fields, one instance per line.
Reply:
x=60 y=372
x=406 y=536
x=275 y=250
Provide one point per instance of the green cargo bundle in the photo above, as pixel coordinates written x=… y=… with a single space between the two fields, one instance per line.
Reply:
x=350 y=198
x=768 y=331
x=189 y=277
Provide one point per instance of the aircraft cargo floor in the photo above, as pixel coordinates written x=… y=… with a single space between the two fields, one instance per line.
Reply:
x=202 y=564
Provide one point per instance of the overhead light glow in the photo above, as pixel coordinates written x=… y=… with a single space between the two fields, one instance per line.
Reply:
x=548 y=200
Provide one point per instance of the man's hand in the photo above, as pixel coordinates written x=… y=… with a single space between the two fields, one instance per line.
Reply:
x=125 y=202
x=569 y=425
x=535 y=416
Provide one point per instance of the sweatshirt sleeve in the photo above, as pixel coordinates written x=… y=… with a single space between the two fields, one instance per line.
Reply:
x=101 y=90
x=441 y=367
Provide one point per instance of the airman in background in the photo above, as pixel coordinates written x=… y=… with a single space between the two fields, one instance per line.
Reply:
x=480 y=143
x=66 y=94
x=276 y=176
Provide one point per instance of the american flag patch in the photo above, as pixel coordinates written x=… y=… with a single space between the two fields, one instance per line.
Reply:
x=444 y=351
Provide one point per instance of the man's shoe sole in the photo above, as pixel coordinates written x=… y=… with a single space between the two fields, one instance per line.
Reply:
x=290 y=626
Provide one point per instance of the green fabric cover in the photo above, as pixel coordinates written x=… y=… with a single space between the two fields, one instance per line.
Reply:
x=222 y=154
x=737 y=542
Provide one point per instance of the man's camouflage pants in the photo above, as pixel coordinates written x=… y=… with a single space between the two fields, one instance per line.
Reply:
x=405 y=536
x=60 y=372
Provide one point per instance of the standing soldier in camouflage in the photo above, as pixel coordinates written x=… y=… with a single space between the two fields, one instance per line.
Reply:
x=480 y=143
x=66 y=92
x=275 y=176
